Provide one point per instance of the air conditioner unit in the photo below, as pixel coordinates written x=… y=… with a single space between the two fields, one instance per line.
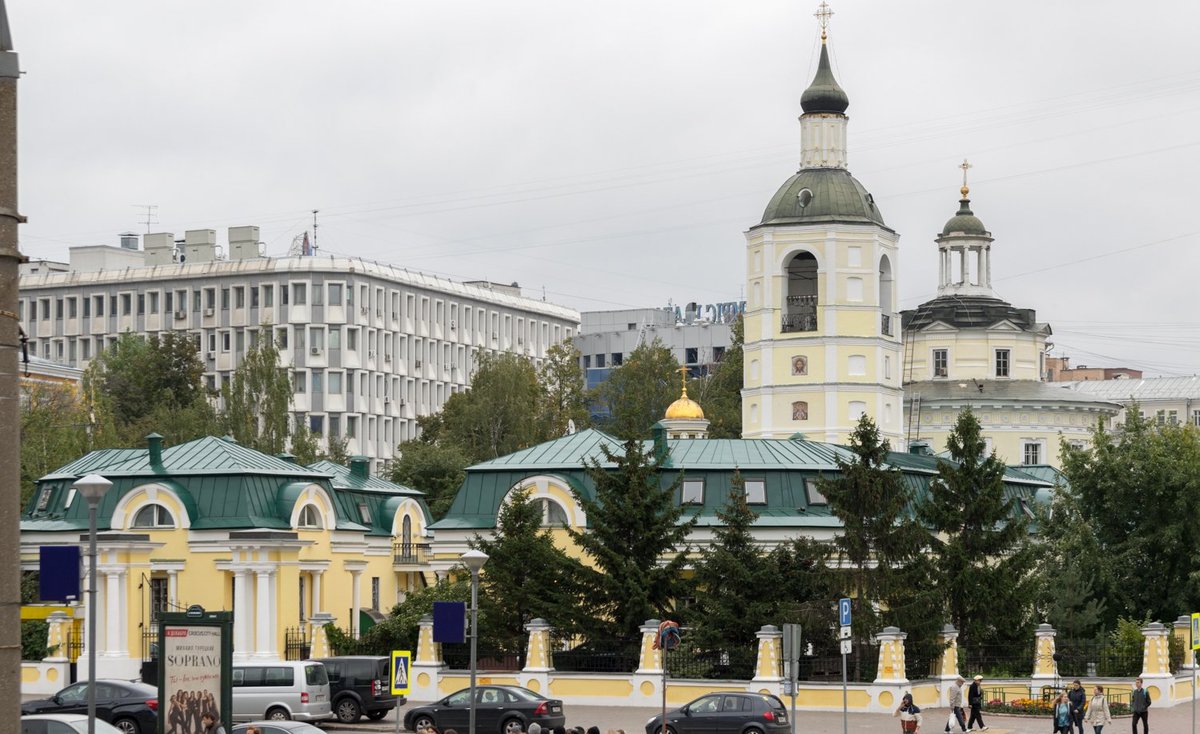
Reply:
x=210 y=356
x=402 y=403
x=364 y=310
x=395 y=315
x=418 y=364
x=494 y=337
x=387 y=358
x=379 y=313
x=386 y=400
x=208 y=312
x=314 y=350
x=520 y=342
x=451 y=326
x=371 y=354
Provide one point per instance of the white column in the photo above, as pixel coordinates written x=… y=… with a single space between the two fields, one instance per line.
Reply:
x=112 y=614
x=173 y=588
x=263 y=613
x=317 y=607
x=243 y=612
x=355 y=585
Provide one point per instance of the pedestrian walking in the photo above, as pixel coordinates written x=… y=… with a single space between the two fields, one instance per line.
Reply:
x=1097 y=713
x=910 y=715
x=1077 y=698
x=956 y=705
x=975 y=701
x=1139 y=703
x=1061 y=711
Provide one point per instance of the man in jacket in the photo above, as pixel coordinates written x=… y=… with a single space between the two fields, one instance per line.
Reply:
x=1139 y=703
x=1077 y=698
x=956 y=704
x=975 y=701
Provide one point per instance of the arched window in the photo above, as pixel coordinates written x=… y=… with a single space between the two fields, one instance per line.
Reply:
x=800 y=301
x=153 y=516
x=310 y=518
x=553 y=515
x=885 y=296
x=406 y=531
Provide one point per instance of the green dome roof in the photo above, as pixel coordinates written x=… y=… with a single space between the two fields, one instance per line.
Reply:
x=964 y=222
x=824 y=94
x=833 y=195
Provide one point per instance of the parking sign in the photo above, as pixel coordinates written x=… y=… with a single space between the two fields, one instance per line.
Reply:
x=401 y=664
x=844 y=612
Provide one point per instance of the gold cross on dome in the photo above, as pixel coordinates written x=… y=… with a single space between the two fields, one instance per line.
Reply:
x=683 y=375
x=823 y=15
x=965 y=166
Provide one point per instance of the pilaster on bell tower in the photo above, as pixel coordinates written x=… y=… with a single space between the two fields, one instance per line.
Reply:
x=822 y=341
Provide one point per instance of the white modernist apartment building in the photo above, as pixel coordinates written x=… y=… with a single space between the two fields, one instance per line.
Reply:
x=370 y=346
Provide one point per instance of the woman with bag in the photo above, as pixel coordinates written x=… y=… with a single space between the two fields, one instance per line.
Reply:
x=1097 y=713
x=1062 y=714
x=910 y=715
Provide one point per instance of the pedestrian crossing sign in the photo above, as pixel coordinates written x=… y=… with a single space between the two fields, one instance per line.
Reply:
x=1195 y=631
x=401 y=664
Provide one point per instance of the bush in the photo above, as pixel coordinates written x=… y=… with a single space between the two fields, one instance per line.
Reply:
x=33 y=639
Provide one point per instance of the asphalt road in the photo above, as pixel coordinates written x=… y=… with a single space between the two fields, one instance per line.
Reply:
x=1177 y=720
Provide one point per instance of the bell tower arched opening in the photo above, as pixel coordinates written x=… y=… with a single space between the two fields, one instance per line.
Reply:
x=800 y=300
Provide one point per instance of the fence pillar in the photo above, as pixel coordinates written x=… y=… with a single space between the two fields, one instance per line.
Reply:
x=650 y=661
x=945 y=667
x=1183 y=631
x=891 y=657
x=427 y=665
x=1156 y=662
x=1045 y=667
x=318 y=641
x=58 y=634
x=767 y=667
x=538 y=661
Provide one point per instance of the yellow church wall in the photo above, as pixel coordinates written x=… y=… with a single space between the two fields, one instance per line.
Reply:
x=972 y=353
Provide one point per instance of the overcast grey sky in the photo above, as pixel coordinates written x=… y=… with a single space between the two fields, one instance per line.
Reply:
x=613 y=153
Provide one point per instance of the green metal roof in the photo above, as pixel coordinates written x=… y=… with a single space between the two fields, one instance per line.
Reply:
x=375 y=496
x=344 y=478
x=965 y=222
x=836 y=197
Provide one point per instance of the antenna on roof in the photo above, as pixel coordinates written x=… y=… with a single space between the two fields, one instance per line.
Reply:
x=314 y=242
x=151 y=215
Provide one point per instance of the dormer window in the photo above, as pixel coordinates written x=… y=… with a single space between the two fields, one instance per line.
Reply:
x=153 y=516
x=310 y=518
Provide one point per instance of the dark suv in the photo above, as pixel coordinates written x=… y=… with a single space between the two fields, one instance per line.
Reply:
x=360 y=684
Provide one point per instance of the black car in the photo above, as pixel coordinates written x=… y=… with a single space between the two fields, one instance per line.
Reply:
x=360 y=684
x=498 y=710
x=278 y=727
x=725 y=713
x=130 y=706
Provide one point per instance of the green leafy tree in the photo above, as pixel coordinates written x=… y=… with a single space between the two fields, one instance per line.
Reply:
x=637 y=393
x=879 y=537
x=437 y=470
x=982 y=555
x=55 y=430
x=498 y=415
x=258 y=398
x=564 y=399
x=141 y=384
x=527 y=576
x=306 y=446
x=634 y=522
x=1137 y=490
x=737 y=589
x=720 y=393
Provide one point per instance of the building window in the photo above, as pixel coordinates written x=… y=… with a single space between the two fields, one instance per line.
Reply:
x=692 y=492
x=553 y=515
x=239 y=297
x=268 y=295
x=310 y=518
x=756 y=491
x=300 y=382
x=158 y=597
x=691 y=355
x=351 y=426
x=375 y=592
x=813 y=494
x=335 y=294
x=718 y=354
x=153 y=516
x=318 y=382
x=1002 y=359
x=335 y=383
x=587 y=361
x=599 y=360
x=1196 y=417
x=1032 y=453
x=941 y=363
x=364 y=513
x=299 y=294
x=618 y=359
x=335 y=337
x=316 y=424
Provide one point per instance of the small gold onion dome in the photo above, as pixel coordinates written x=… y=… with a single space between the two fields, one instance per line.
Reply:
x=684 y=408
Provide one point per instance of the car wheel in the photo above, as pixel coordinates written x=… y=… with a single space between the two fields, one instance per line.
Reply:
x=377 y=714
x=753 y=730
x=422 y=722
x=512 y=726
x=278 y=714
x=126 y=726
x=347 y=710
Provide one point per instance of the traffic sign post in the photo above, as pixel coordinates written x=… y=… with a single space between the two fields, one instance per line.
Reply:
x=847 y=643
x=1195 y=646
x=401 y=680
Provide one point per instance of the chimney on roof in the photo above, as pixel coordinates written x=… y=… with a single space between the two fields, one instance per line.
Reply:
x=129 y=240
x=154 y=443
x=285 y=456
x=360 y=466
x=920 y=448
x=658 y=432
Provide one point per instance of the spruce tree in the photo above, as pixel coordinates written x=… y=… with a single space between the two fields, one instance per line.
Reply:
x=526 y=575
x=981 y=550
x=879 y=537
x=634 y=521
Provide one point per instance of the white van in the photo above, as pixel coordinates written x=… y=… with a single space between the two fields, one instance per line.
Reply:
x=283 y=690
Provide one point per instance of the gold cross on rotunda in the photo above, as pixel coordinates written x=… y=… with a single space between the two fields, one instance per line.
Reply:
x=683 y=375
x=823 y=15
x=965 y=166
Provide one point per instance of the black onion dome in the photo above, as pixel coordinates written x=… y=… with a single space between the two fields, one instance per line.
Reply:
x=824 y=94
x=822 y=195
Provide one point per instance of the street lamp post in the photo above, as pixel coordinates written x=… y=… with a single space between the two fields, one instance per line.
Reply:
x=474 y=560
x=92 y=487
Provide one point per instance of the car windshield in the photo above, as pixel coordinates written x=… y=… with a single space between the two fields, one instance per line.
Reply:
x=314 y=675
